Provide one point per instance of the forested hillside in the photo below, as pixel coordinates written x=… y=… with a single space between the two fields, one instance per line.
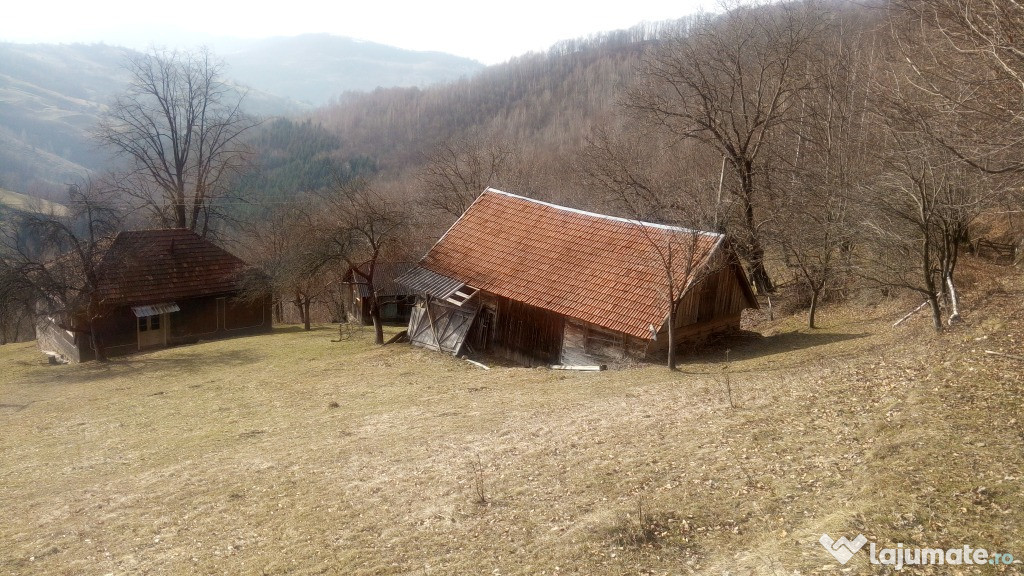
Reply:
x=542 y=105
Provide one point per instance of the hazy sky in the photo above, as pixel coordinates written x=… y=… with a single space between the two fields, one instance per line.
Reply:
x=490 y=32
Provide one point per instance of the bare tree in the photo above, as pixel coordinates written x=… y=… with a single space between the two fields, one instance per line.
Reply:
x=937 y=161
x=289 y=252
x=647 y=177
x=179 y=126
x=16 y=300
x=360 y=225
x=459 y=169
x=921 y=204
x=58 y=259
x=629 y=173
x=822 y=160
x=730 y=83
x=966 y=59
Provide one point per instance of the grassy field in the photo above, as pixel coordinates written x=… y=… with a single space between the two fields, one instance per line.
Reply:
x=293 y=454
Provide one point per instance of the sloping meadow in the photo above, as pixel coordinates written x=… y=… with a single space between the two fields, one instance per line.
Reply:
x=292 y=453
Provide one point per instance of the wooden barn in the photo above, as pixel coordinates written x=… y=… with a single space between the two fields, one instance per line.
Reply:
x=159 y=288
x=545 y=284
x=394 y=300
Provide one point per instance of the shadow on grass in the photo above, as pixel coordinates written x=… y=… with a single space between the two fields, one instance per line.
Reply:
x=188 y=360
x=297 y=328
x=747 y=345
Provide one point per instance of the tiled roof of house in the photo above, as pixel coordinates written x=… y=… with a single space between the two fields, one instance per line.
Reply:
x=153 y=266
x=600 y=269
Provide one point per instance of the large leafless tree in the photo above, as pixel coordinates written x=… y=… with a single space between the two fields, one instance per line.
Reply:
x=459 y=169
x=360 y=226
x=730 y=82
x=179 y=128
x=966 y=62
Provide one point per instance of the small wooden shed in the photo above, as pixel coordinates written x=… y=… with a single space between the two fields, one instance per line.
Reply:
x=159 y=288
x=547 y=284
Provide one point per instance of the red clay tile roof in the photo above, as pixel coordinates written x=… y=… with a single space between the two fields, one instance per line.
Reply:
x=155 y=266
x=599 y=269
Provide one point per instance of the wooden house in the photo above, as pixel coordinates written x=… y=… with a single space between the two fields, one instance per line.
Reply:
x=158 y=288
x=546 y=284
x=394 y=300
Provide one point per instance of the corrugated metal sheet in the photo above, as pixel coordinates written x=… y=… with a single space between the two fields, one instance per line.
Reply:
x=604 y=270
x=423 y=281
x=155 y=309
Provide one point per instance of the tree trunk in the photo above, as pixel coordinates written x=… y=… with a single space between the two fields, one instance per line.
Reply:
x=929 y=282
x=97 y=344
x=672 y=339
x=305 y=314
x=954 y=301
x=759 y=275
x=378 y=327
x=755 y=250
x=933 y=300
x=814 y=308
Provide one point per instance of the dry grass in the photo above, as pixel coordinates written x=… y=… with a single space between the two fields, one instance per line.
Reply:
x=293 y=454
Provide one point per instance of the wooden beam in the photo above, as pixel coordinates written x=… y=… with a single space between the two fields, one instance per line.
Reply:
x=477 y=364
x=911 y=313
x=593 y=368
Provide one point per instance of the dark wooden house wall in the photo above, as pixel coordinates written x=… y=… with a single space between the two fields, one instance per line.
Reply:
x=198 y=319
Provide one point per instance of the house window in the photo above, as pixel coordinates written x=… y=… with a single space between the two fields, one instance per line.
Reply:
x=149 y=323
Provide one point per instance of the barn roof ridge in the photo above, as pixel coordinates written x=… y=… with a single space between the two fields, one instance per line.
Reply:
x=633 y=221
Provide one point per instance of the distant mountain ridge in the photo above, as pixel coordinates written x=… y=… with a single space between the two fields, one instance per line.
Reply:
x=51 y=96
x=314 y=68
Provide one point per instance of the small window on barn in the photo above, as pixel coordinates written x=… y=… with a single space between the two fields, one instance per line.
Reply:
x=154 y=322
x=143 y=325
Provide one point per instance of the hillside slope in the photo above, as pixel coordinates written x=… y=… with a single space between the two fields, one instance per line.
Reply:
x=53 y=95
x=292 y=453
